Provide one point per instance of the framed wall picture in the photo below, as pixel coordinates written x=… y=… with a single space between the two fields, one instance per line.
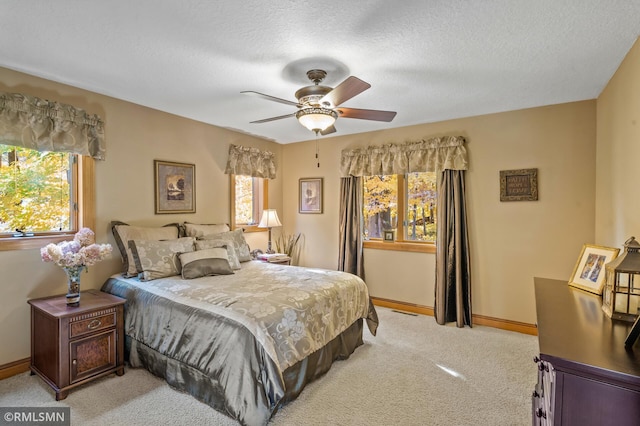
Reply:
x=310 y=195
x=175 y=185
x=519 y=185
x=389 y=236
x=589 y=272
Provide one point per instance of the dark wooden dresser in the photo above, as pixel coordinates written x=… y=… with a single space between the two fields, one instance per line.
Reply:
x=71 y=346
x=585 y=374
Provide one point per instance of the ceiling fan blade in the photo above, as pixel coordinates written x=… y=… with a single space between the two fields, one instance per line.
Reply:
x=271 y=98
x=328 y=131
x=366 y=114
x=344 y=91
x=266 y=120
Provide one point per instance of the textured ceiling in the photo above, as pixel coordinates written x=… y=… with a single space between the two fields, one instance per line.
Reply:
x=428 y=60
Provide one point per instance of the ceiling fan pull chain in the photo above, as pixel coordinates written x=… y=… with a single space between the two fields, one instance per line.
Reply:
x=317 y=156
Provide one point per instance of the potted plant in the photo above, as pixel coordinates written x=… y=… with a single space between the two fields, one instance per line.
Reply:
x=290 y=244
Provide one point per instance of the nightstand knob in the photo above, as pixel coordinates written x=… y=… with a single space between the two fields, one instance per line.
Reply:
x=74 y=362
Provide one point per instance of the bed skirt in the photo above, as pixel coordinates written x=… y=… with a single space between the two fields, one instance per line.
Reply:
x=187 y=379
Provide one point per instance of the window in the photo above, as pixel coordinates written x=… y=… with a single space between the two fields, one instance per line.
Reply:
x=404 y=203
x=43 y=195
x=248 y=200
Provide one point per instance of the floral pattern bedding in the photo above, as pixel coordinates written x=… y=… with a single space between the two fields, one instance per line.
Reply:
x=238 y=333
x=291 y=311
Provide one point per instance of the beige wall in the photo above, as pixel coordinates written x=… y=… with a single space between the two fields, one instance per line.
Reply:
x=618 y=155
x=135 y=136
x=511 y=242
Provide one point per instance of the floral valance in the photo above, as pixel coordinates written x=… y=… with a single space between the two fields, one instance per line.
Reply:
x=249 y=161
x=431 y=155
x=43 y=125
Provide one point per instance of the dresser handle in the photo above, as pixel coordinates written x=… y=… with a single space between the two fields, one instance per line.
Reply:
x=74 y=362
x=94 y=324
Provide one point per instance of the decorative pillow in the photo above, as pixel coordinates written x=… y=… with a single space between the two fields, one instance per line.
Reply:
x=123 y=233
x=194 y=230
x=201 y=263
x=158 y=259
x=231 y=252
x=239 y=243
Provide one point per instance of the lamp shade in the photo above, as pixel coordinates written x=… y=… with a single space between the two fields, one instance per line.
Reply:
x=316 y=119
x=269 y=219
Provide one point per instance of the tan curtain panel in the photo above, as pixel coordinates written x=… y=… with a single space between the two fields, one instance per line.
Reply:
x=43 y=125
x=453 y=259
x=249 y=161
x=431 y=155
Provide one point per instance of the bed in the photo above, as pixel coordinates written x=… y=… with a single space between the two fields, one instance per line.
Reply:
x=245 y=341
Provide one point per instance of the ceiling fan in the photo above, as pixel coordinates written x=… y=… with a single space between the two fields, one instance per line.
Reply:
x=319 y=106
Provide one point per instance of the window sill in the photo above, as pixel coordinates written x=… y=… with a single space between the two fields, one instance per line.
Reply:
x=26 y=243
x=251 y=228
x=401 y=246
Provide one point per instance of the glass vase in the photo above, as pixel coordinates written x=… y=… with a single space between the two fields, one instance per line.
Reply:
x=73 y=284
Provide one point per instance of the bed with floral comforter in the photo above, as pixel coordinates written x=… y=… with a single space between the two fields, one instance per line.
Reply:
x=248 y=342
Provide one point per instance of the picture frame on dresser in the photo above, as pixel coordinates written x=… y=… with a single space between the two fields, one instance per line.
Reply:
x=589 y=271
x=175 y=187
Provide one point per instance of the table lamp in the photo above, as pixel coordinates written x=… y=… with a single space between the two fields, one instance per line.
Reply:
x=269 y=220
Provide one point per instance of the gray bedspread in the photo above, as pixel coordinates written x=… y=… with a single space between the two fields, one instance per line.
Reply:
x=228 y=339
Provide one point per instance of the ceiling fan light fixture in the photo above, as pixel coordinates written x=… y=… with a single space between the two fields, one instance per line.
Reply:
x=316 y=119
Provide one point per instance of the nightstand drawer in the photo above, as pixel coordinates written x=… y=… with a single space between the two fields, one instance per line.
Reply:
x=98 y=321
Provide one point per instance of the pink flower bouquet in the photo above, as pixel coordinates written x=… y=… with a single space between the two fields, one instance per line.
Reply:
x=82 y=251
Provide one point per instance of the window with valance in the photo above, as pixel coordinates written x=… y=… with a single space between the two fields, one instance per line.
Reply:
x=399 y=188
x=48 y=149
x=42 y=125
x=430 y=155
x=250 y=170
x=445 y=156
x=250 y=161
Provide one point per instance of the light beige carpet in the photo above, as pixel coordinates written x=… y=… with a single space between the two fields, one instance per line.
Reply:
x=414 y=372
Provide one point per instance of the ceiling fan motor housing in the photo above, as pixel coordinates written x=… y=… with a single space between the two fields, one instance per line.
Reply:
x=311 y=95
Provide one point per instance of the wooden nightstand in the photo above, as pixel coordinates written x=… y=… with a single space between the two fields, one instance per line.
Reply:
x=72 y=346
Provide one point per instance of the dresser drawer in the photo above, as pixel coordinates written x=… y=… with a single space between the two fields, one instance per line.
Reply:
x=83 y=325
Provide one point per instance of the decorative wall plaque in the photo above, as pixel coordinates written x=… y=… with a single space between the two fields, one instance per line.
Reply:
x=519 y=185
